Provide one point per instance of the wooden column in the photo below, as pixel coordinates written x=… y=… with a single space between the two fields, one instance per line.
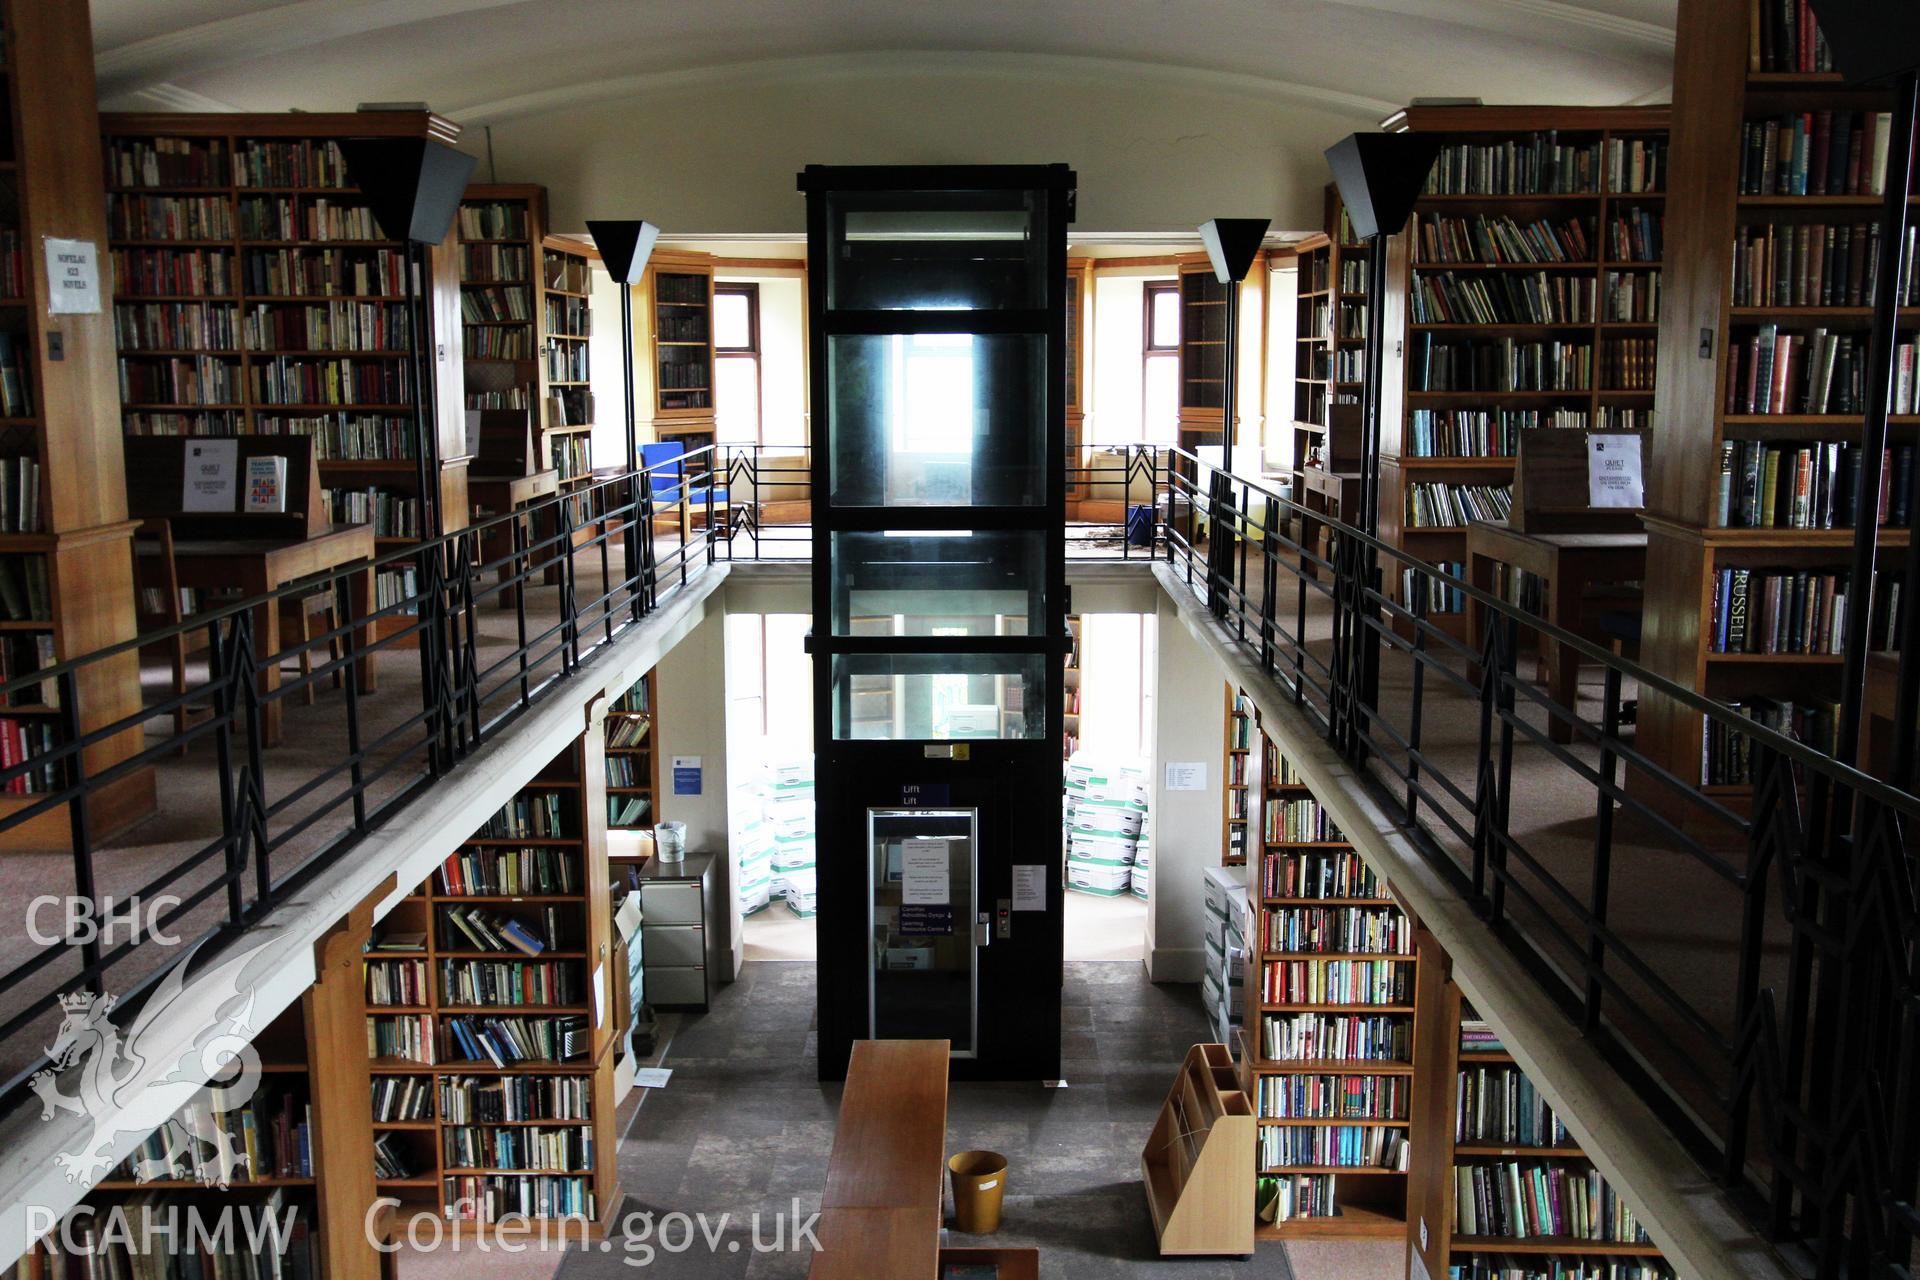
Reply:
x=342 y=1093
x=69 y=375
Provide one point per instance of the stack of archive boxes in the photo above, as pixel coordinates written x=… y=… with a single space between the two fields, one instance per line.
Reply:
x=1106 y=815
x=1226 y=926
x=787 y=800
x=756 y=856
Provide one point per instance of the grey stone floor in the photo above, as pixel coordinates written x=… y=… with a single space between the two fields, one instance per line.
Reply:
x=744 y=1126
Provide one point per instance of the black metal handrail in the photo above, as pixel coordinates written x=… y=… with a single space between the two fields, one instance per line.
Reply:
x=1794 y=1072
x=268 y=845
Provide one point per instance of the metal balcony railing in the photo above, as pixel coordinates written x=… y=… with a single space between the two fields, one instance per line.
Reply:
x=1756 y=968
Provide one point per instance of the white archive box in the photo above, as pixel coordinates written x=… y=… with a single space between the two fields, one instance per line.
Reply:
x=1108 y=849
x=1100 y=878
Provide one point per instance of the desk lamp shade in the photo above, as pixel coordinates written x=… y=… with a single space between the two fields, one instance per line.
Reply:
x=624 y=246
x=1231 y=244
x=1380 y=175
x=413 y=185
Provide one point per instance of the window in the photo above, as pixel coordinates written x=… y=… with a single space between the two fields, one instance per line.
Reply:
x=1160 y=364
x=736 y=351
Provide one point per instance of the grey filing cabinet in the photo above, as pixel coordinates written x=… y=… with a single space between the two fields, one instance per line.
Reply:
x=678 y=948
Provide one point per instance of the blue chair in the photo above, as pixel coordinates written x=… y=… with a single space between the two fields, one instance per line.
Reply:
x=671 y=482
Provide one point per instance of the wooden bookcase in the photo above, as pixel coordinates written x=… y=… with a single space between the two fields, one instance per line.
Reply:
x=1451 y=1142
x=1721 y=88
x=1463 y=306
x=566 y=377
x=430 y=1145
x=633 y=768
x=310 y=1147
x=1238 y=779
x=65 y=555
x=1079 y=304
x=500 y=227
x=254 y=294
x=1330 y=338
x=1293 y=879
x=677 y=313
x=1203 y=353
x=1070 y=687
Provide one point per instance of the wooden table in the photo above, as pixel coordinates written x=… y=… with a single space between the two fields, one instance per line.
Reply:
x=257 y=566
x=881 y=1210
x=495 y=496
x=1568 y=563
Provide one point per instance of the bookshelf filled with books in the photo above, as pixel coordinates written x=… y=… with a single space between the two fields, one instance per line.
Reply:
x=677 y=308
x=1070 y=688
x=633 y=771
x=1330 y=338
x=500 y=225
x=1238 y=785
x=254 y=293
x=66 y=584
x=281 y=1136
x=566 y=330
x=1778 y=174
x=1079 y=308
x=1203 y=353
x=1335 y=1018
x=1503 y=1189
x=1527 y=290
x=486 y=1020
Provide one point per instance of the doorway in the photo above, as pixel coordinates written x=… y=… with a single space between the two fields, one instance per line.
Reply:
x=1108 y=823
x=770 y=812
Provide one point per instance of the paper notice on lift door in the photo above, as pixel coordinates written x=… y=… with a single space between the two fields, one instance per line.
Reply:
x=923 y=873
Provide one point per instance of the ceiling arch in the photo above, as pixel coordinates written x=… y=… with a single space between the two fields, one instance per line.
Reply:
x=480 y=60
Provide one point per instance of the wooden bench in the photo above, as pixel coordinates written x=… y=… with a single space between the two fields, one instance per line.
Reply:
x=881 y=1211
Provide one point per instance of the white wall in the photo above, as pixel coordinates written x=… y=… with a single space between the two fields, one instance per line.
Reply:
x=1191 y=713
x=1113 y=687
x=1282 y=327
x=1114 y=413
x=690 y=685
x=1249 y=402
x=1152 y=153
x=604 y=368
x=783 y=355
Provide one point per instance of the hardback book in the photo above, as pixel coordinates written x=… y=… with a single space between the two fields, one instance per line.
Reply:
x=266 y=485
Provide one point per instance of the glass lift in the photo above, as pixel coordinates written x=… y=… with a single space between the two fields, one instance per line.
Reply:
x=937 y=341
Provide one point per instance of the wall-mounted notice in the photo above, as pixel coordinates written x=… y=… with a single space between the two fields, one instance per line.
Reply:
x=923 y=873
x=1029 y=887
x=686 y=775
x=73 y=278
x=1186 y=775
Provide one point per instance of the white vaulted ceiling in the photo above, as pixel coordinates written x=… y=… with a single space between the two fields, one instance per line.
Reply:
x=486 y=60
x=1164 y=106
